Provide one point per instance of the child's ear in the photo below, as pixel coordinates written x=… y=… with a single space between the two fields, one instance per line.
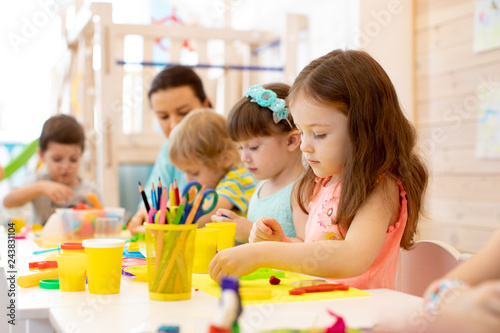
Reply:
x=40 y=153
x=293 y=140
x=225 y=159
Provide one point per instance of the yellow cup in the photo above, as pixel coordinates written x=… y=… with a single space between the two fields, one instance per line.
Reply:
x=170 y=251
x=72 y=271
x=104 y=264
x=227 y=231
x=205 y=249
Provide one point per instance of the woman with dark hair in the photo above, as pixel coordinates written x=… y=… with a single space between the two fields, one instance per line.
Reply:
x=175 y=91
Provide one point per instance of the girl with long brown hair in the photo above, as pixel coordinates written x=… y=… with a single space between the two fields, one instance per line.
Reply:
x=364 y=186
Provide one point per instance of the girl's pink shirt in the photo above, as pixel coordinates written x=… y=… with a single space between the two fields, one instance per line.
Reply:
x=382 y=272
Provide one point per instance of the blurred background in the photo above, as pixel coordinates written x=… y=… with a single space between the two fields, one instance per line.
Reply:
x=94 y=60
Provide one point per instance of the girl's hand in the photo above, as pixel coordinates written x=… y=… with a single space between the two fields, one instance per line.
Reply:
x=237 y=261
x=57 y=192
x=243 y=225
x=226 y=215
x=267 y=229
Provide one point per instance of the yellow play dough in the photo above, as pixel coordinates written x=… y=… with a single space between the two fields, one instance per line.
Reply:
x=255 y=294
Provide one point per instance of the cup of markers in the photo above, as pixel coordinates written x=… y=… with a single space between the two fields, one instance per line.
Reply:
x=170 y=249
x=170 y=238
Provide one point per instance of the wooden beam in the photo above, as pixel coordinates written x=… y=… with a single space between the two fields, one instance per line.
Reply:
x=198 y=33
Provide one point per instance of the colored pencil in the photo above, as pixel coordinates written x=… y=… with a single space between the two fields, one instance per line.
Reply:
x=170 y=264
x=178 y=215
x=163 y=207
x=176 y=191
x=144 y=197
x=153 y=197
x=151 y=215
x=196 y=205
x=159 y=190
x=173 y=212
x=171 y=195
x=168 y=216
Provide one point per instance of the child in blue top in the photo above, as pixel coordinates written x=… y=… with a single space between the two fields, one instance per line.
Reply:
x=201 y=147
x=270 y=148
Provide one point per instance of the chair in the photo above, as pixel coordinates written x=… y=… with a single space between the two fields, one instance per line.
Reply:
x=425 y=262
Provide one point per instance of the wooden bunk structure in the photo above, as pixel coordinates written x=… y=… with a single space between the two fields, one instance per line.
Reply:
x=109 y=95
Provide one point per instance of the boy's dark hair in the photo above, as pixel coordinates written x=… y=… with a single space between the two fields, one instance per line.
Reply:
x=248 y=119
x=178 y=76
x=62 y=129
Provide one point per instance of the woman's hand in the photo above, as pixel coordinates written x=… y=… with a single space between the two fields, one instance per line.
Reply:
x=136 y=222
x=474 y=310
x=267 y=229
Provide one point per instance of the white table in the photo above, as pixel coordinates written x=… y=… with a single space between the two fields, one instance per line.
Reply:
x=195 y=315
x=42 y=310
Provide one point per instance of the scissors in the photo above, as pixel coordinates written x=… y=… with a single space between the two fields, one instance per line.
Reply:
x=209 y=195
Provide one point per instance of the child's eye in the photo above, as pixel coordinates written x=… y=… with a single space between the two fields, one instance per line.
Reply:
x=253 y=148
x=183 y=114
x=164 y=117
x=319 y=136
x=240 y=148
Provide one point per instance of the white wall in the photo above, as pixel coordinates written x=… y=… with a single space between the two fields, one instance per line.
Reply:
x=332 y=23
x=386 y=32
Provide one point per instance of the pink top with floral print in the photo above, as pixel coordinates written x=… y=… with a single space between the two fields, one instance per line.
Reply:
x=382 y=272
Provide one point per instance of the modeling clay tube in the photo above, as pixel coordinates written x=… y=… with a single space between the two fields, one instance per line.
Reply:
x=318 y=288
x=94 y=200
x=32 y=280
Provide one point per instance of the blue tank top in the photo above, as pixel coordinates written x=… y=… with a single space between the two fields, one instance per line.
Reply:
x=277 y=206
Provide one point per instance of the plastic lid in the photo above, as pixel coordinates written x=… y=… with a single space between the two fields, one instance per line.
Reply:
x=217 y=329
x=103 y=243
x=72 y=246
x=140 y=272
x=49 y=284
x=168 y=329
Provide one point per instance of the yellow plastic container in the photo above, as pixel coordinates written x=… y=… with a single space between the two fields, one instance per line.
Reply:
x=84 y=224
x=72 y=271
x=205 y=249
x=104 y=264
x=170 y=252
x=227 y=231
